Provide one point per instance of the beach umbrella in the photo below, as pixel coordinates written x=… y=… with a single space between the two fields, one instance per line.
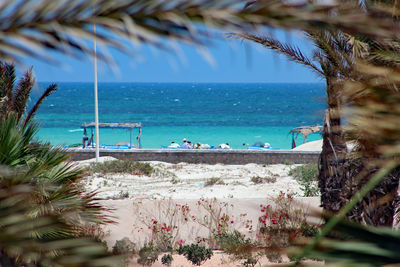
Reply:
x=305 y=131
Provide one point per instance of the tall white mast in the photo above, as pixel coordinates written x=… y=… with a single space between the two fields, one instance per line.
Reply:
x=96 y=104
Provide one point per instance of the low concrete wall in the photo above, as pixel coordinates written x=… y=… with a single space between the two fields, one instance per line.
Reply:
x=238 y=157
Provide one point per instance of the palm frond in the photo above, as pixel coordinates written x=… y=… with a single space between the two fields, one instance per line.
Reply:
x=22 y=92
x=52 y=88
x=21 y=235
x=29 y=26
x=291 y=52
x=7 y=80
x=359 y=246
x=336 y=51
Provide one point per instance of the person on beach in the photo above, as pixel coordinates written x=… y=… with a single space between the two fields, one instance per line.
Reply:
x=190 y=145
x=224 y=146
x=85 y=138
x=174 y=145
x=261 y=144
x=185 y=144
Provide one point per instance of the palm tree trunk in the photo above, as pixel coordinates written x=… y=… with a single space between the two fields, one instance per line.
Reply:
x=338 y=174
x=332 y=175
x=378 y=207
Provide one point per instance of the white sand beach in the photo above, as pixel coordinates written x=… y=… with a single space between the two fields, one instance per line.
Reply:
x=138 y=200
x=194 y=181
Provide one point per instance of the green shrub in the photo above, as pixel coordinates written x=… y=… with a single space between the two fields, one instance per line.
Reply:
x=288 y=162
x=148 y=254
x=308 y=230
x=123 y=246
x=121 y=166
x=310 y=189
x=195 y=253
x=235 y=243
x=167 y=259
x=263 y=180
x=213 y=181
x=307 y=175
x=250 y=262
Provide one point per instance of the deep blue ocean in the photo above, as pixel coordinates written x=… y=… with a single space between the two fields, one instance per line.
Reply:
x=211 y=113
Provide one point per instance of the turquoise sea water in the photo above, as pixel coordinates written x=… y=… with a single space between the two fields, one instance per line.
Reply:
x=211 y=113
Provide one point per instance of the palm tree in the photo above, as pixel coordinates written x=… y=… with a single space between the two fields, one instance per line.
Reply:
x=52 y=192
x=332 y=61
x=14 y=98
x=339 y=171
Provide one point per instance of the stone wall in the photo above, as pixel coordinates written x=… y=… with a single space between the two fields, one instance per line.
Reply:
x=203 y=156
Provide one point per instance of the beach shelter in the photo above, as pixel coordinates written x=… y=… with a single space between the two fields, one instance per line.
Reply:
x=122 y=125
x=305 y=131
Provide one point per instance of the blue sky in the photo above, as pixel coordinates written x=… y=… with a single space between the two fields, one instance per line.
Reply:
x=234 y=61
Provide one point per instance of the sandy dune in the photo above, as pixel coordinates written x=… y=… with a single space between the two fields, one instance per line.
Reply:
x=191 y=181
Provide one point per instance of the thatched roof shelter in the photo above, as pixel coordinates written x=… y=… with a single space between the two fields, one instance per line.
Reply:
x=119 y=125
x=305 y=131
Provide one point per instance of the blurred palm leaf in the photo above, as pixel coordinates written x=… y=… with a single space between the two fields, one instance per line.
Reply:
x=29 y=26
x=359 y=246
x=22 y=239
x=54 y=191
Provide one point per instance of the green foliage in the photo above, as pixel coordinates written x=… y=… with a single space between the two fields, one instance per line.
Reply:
x=263 y=180
x=308 y=230
x=250 y=262
x=167 y=259
x=307 y=172
x=288 y=162
x=307 y=176
x=214 y=181
x=195 y=253
x=235 y=243
x=310 y=189
x=148 y=254
x=52 y=214
x=122 y=166
x=123 y=246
